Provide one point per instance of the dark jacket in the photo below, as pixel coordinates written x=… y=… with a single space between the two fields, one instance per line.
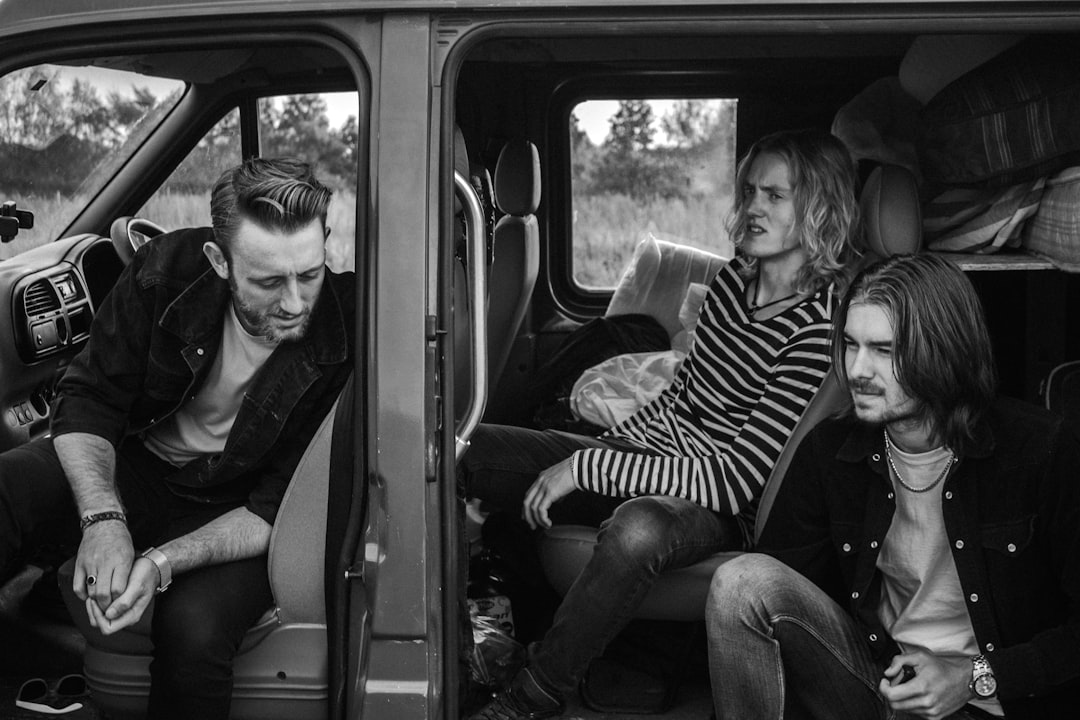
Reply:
x=151 y=346
x=1012 y=514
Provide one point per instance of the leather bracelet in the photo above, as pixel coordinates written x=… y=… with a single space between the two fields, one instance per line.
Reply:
x=88 y=520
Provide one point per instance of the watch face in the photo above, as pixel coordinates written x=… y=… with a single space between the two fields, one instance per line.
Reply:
x=986 y=686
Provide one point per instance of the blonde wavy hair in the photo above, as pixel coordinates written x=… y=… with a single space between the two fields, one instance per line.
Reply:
x=824 y=180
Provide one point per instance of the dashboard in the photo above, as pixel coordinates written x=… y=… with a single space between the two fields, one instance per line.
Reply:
x=48 y=297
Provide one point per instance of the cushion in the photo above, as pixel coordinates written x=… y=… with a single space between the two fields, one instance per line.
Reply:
x=1054 y=230
x=657 y=278
x=1010 y=120
x=981 y=220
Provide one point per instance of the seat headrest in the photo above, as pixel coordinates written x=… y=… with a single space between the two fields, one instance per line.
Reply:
x=892 y=215
x=517 y=178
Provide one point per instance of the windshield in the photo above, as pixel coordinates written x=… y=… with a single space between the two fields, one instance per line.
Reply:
x=64 y=130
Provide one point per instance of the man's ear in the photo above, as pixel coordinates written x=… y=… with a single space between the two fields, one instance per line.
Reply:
x=217 y=259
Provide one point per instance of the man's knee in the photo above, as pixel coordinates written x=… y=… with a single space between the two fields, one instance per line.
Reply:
x=746 y=583
x=641 y=529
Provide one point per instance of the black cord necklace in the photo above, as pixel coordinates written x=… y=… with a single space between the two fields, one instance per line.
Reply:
x=753 y=306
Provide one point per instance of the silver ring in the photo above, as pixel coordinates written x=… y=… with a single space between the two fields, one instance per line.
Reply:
x=91 y=581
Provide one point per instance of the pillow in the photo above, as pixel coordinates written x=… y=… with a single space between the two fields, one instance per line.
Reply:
x=656 y=280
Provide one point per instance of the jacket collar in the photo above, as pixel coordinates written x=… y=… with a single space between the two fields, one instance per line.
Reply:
x=863 y=440
x=197 y=314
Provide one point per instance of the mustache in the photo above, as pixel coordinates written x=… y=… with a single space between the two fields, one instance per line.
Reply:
x=865 y=387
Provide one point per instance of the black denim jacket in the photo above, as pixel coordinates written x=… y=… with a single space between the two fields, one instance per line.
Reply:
x=152 y=344
x=1012 y=515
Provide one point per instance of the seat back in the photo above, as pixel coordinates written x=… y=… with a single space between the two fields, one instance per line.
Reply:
x=515 y=261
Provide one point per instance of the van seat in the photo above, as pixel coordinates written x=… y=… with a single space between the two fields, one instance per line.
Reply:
x=281 y=670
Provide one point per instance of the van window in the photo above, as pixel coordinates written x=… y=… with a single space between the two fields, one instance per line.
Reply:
x=664 y=167
x=64 y=130
x=318 y=127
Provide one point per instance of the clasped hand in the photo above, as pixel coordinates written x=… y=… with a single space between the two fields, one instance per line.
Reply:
x=938 y=689
x=552 y=485
x=123 y=585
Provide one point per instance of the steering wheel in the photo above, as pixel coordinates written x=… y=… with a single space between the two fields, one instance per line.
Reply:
x=128 y=234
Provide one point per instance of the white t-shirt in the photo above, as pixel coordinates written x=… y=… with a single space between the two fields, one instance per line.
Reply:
x=201 y=425
x=922 y=603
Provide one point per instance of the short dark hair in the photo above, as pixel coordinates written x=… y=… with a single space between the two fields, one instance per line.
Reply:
x=942 y=355
x=824 y=180
x=279 y=194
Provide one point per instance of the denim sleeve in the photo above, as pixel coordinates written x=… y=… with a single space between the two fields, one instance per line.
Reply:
x=104 y=379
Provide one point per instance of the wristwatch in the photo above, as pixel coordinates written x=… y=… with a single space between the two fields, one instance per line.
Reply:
x=983 y=684
x=165 y=568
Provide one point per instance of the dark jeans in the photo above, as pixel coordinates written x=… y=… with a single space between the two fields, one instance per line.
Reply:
x=639 y=539
x=198 y=623
x=780 y=647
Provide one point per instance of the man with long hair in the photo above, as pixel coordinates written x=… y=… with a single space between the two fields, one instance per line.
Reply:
x=680 y=479
x=921 y=557
x=176 y=430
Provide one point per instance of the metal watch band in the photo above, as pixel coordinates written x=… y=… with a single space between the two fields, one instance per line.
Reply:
x=164 y=567
x=980 y=667
x=88 y=520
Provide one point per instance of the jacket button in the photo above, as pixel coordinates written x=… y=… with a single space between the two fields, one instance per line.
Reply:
x=198 y=351
x=847 y=547
x=873 y=637
x=890 y=496
x=875 y=457
x=974 y=597
x=1011 y=547
x=959 y=544
x=989 y=647
x=873 y=544
x=948 y=494
x=855 y=595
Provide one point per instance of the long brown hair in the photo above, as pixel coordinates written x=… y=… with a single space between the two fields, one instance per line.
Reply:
x=941 y=348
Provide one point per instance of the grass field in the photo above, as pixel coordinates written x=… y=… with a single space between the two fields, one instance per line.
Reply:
x=605 y=229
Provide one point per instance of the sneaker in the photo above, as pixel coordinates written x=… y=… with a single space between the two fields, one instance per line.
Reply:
x=523 y=700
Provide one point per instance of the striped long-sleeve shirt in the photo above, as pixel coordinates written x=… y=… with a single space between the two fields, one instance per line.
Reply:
x=719 y=427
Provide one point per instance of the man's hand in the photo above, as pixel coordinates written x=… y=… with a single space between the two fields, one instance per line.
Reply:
x=105 y=554
x=552 y=485
x=938 y=689
x=132 y=603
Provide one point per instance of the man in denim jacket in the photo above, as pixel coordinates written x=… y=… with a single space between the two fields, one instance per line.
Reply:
x=176 y=430
x=922 y=554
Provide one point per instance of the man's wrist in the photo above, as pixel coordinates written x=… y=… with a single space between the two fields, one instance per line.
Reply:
x=93 y=518
x=164 y=567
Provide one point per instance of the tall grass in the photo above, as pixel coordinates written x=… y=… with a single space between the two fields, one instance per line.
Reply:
x=53 y=213
x=606 y=229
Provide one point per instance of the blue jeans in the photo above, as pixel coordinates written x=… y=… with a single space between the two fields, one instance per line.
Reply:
x=639 y=539
x=198 y=624
x=779 y=647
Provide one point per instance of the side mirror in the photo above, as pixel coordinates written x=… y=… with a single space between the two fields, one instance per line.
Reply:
x=11 y=220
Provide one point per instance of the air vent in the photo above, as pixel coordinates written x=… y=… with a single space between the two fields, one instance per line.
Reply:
x=40 y=298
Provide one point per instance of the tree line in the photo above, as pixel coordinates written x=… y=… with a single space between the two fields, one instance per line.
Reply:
x=631 y=162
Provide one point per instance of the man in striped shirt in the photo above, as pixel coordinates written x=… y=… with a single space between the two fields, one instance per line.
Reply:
x=680 y=479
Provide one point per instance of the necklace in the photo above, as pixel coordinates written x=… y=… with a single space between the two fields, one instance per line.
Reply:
x=900 y=478
x=753 y=306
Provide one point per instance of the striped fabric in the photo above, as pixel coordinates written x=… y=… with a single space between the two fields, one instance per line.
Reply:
x=719 y=428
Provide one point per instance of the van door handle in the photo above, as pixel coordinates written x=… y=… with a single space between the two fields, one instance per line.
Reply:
x=476 y=263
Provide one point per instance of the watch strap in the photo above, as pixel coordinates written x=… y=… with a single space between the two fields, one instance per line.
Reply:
x=980 y=667
x=163 y=565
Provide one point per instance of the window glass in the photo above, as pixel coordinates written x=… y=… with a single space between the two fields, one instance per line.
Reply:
x=64 y=129
x=664 y=167
x=184 y=199
x=322 y=129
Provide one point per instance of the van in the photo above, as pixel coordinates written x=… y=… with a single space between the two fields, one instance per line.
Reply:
x=497 y=167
